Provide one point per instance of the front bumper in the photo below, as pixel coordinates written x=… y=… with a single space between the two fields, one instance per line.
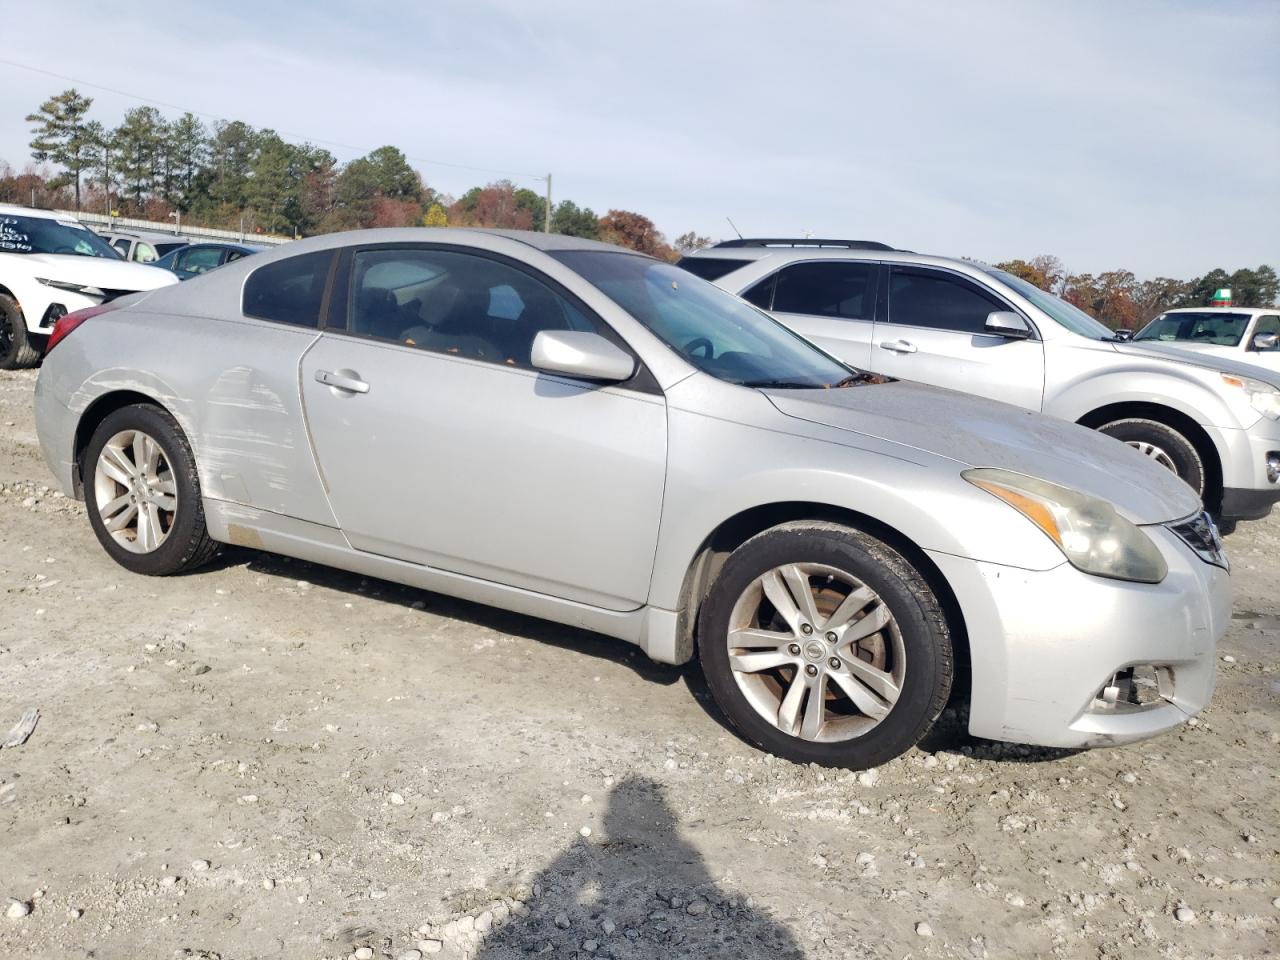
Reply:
x=1248 y=467
x=1044 y=645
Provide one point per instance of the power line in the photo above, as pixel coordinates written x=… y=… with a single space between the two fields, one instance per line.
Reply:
x=296 y=136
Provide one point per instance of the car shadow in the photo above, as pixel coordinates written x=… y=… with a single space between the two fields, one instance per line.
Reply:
x=639 y=890
x=565 y=637
x=948 y=735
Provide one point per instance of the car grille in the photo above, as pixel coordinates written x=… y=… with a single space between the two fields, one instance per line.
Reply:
x=1200 y=533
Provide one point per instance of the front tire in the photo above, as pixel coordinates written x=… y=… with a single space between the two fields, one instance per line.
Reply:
x=1163 y=444
x=16 y=348
x=142 y=493
x=824 y=645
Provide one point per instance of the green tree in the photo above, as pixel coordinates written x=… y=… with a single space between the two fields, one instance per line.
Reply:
x=188 y=153
x=230 y=155
x=1249 y=288
x=139 y=144
x=391 y=174
x=535 y=203
x=574 y=221
x=100 y=160
x=59 y=135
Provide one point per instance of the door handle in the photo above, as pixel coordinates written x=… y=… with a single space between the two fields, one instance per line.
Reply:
x=342 y=380
x=898 y=346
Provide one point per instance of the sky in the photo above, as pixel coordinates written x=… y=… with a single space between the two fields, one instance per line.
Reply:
x=1138 y=135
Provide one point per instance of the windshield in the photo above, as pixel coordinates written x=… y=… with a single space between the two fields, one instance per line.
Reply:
x=1219 y=329
x=711 y=329
x=45 y=235
x=1073 y=318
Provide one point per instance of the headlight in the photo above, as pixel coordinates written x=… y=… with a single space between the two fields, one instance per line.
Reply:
x=1263 y=397
x=63 y=285
x=1088 y=531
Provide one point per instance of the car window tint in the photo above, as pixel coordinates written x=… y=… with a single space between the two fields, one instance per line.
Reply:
x=926 y=298
x=456 y=303
x=234 y=255
x=122 y=245
x=830 y=289
x=199 y=260
x=289 y=290
x=761 y=295
x=710 y=268
x=144 y=253
x=1268 y=324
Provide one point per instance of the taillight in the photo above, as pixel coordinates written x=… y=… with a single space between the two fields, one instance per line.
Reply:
x=70 y=321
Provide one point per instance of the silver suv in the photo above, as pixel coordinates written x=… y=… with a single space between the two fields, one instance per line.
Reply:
x=968 y=326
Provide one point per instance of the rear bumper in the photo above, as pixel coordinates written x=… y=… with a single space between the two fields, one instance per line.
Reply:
x=55 y=428
x=1044 y=645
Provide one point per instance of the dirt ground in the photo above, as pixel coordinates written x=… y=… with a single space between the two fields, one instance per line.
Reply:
x=274 y=759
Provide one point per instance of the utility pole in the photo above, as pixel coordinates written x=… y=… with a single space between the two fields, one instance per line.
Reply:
x=546 y=227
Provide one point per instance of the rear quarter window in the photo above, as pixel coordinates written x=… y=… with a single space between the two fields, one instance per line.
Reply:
x=290 y=290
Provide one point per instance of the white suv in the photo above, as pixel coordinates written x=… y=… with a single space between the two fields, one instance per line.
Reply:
x=971 y=327
x=51 y=266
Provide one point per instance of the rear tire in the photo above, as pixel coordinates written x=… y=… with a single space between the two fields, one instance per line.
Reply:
x=1163 y=444
x=16 y=349
x=163 y=497
x=870 y=647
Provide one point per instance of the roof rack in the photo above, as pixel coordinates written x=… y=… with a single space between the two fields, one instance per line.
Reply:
x=805 y=242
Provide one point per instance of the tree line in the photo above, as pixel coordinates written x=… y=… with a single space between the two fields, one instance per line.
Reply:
x=234 y=176
x=1122 y=301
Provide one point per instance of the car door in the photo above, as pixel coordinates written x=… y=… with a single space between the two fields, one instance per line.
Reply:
x=934 y=332
x=831 y=302
x=441 y=445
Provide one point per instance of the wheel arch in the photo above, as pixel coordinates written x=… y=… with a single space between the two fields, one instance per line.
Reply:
x=97 y=411
x=736 y=530
x=1176 y=420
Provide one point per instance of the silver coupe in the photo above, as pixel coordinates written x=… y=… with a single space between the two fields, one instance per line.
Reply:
x=577 y=432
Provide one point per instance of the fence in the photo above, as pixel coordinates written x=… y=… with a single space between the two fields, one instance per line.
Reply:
x=104 y=224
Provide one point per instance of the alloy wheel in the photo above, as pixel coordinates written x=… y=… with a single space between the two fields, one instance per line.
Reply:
x=1155 y=453
x=135 y=492
x=816 y=652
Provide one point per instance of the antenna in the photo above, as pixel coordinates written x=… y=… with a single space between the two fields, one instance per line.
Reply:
x=735 y=228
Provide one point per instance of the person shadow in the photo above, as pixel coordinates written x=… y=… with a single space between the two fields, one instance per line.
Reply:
x=639 y=891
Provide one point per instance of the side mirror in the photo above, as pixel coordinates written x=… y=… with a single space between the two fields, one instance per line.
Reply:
x=576 y=353
x=1124 y=334
x=1262 y=342
x=1007 y=324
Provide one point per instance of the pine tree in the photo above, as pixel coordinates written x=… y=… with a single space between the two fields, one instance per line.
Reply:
x=59 y=135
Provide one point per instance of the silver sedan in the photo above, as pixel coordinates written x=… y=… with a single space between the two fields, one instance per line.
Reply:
x=581 y=433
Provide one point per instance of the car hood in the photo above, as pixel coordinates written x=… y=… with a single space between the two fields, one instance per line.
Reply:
x=983 y=433
x=98 y=272
x=1196 y=358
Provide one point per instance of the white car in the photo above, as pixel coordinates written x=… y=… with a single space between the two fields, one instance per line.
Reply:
x=51 y=266
x=1247 y=334
x=966 y=326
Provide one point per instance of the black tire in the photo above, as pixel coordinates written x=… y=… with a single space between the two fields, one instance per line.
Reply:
x=16 y=349
x=188 y=544
x=1144 y=434
x=929 y=658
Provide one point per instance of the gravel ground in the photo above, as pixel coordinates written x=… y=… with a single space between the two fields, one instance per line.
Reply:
x=269 y=758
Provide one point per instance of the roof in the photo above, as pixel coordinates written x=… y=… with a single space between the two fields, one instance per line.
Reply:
x=15 y=209
x=548 y=241
x=1223 y=310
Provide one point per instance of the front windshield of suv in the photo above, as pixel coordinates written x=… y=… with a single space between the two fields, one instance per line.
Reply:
x=45 y=235
x=1073 y=318
x=711 y=329
x=1219 y=329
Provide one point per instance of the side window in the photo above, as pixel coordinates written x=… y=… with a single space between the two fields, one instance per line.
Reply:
x=1268 y=324
x=144 y=252
x=290 y=290
x=233 y=255
x=829 y=289
x=121 y=244
x=457 y=303
x=928 y=298
x=761 y=295
x=199 y=259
